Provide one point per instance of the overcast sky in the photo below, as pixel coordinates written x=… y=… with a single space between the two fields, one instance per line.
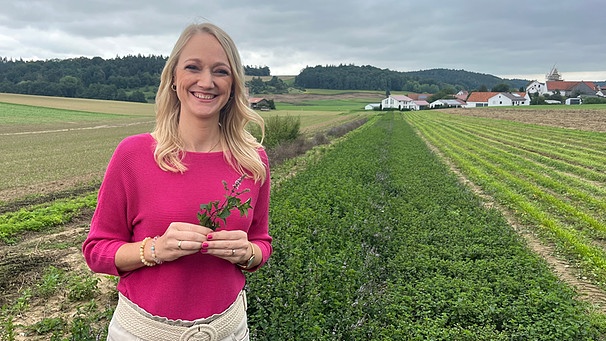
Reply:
x=508 y=39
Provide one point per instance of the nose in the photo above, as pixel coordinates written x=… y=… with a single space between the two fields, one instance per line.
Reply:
x=205 y=80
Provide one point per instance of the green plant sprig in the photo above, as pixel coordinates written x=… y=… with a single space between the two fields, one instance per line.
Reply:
x=211 y=213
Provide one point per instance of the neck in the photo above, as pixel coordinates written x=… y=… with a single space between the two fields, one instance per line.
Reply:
x=201 y=138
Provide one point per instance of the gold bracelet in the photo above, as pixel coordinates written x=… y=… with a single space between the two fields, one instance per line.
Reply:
x=247 y=265
x=142 y=251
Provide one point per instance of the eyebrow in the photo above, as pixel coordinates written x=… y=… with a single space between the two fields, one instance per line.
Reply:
x=198 y=60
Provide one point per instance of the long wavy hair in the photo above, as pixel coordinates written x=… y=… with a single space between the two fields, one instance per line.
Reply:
x=240 y=148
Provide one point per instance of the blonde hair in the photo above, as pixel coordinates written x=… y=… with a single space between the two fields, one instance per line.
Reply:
x=239 y=146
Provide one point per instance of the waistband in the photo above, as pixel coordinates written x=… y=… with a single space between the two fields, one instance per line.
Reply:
x=143 y=325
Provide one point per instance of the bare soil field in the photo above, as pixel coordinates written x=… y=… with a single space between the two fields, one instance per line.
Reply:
x=570 y=117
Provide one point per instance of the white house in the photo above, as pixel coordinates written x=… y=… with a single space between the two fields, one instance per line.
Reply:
x=536 y=87
x=447 y=103
x=491 y=99
x=399 y=102
x=372 y=106
x=508 y=99
x=419 y=105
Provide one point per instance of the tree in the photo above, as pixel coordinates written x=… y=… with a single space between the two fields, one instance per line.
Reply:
x=69 y=86
x=501 y=88
x=137 y=96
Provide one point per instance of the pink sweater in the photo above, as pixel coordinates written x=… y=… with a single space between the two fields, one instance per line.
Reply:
x=137 y=199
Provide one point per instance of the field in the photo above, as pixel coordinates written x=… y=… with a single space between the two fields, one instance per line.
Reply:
x=454 y=225
x=49 y=144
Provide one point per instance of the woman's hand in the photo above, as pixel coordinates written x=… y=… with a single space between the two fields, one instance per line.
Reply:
x=232 y=246
x=181 y=239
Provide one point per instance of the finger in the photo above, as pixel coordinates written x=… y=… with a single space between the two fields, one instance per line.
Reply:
x=179 y=226
x=227 y=235
x=188 y=245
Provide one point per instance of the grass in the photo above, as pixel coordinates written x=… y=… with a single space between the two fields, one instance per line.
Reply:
x=80 y=104
x=74 y=138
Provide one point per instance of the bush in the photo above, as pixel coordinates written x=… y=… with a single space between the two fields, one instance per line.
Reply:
x=594 y=100
x=279 y=129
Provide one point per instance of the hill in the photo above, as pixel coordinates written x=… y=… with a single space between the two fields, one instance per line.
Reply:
x=351 y=77
x=136 y=78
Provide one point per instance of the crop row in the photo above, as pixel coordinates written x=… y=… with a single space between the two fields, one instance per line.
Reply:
x=552 y=178
x=43 y=216
x=379 y=241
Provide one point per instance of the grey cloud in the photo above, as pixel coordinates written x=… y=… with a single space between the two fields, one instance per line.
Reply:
x=476 y=35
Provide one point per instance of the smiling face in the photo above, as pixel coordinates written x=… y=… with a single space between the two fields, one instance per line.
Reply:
x=203 y=77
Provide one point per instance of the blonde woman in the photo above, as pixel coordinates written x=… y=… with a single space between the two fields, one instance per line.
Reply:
x=180 y=280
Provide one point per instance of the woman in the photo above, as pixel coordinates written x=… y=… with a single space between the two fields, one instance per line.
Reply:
x=178 y=279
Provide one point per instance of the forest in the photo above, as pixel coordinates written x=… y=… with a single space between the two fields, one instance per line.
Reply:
x=136 y=78
x=351 y=77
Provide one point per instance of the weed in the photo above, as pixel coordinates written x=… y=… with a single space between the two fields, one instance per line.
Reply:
x=51 y=282
x=82 y=287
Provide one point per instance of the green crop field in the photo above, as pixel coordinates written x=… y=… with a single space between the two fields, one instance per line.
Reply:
x=380 y=241
x=376 y=236
x=552 y=178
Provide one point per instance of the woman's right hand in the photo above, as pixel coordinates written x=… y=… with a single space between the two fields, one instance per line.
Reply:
x=180 y=239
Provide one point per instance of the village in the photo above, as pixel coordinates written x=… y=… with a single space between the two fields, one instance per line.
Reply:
x=571 y=91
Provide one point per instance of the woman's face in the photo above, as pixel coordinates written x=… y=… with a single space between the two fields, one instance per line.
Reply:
x=203 y=77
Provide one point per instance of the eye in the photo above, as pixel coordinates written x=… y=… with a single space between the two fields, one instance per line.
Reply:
x=192 y=67
x=223 y=72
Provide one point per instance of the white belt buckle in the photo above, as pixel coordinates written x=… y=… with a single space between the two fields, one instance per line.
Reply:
x=200 y=332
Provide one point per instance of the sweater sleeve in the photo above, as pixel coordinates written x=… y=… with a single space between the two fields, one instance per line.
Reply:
x=259 y=230
x=110 y=227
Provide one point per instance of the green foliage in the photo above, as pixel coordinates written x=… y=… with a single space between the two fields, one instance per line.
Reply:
x=8 y=331
x=274 y=86
x=594 y=100
x=82 y=287
x=43 y=216
x=82 y=77
x=549 y=176
x=51 y=281
x=371 y=78
x=279 y=129
x=379 y=241
x=49 y=325
x=212 y=213
x=501 y=87
x=256 y=70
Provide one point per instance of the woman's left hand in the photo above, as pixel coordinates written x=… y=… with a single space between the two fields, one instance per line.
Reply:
x=232 y=246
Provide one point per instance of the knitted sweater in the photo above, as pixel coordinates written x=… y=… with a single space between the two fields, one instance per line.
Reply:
x=137 y=199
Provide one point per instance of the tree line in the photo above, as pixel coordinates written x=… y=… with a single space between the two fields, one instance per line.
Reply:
x=352 y=77
x=136 y=78
x=129 y=78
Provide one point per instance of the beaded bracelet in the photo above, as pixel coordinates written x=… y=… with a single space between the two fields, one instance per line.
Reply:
x=141 y=252
x=153 y=251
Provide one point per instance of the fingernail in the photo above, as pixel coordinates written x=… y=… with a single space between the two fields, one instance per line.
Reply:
x=204 y=244
x=210 y=236
x=204 y=250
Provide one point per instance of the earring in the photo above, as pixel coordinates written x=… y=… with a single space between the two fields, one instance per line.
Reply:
x=174 y=87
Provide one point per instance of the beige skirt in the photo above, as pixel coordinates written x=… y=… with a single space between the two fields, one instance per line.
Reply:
x=130 y=322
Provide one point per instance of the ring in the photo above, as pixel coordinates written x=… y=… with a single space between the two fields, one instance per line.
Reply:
x=233 y=252
x=179 y=245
